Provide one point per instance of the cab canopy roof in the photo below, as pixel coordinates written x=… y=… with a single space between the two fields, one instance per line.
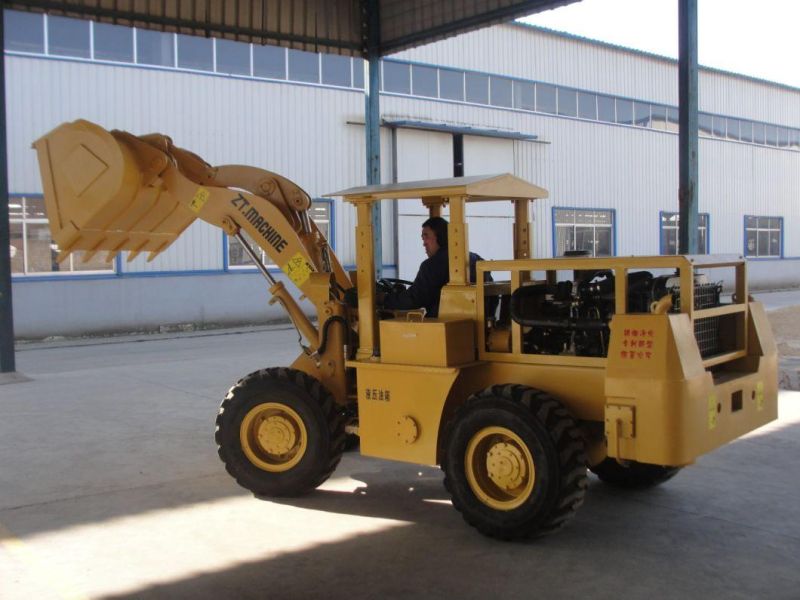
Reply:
x=475 y=188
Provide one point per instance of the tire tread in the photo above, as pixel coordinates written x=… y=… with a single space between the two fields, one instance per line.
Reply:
x=249 y=385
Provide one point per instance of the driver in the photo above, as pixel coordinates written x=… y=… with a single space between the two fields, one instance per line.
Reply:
x=433 y=273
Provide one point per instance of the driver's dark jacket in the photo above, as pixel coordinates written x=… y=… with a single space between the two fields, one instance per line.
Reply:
x=433 y=274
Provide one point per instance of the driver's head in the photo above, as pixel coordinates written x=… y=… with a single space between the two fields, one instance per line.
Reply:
x=434 y=235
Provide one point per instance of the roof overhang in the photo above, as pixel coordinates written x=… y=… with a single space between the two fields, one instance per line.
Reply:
x=333 y=26
x=459 y=129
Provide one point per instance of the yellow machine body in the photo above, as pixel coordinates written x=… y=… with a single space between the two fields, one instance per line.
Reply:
x=657 y=399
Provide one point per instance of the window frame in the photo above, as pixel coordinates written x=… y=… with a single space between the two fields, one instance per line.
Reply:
x=662 y=246
x=34 y=49
x=70 y=271
x=68 y=22
x=555 y=225
x=757 y=229
x=220 y=44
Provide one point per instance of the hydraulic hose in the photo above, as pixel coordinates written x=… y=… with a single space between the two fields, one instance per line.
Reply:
x=336 y=318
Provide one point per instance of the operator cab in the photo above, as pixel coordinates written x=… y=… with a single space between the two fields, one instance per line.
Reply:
x=452 y=334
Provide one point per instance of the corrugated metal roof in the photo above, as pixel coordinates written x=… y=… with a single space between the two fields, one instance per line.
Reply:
x=645 y=53
x=335 y=26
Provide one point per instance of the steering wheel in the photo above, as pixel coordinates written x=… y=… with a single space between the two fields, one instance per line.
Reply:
x=389 y=285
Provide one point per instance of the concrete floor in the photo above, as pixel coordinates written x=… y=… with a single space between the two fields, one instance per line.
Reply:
x=110 y=487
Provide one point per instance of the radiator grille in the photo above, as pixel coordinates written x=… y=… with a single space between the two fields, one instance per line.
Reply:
x=706 y=331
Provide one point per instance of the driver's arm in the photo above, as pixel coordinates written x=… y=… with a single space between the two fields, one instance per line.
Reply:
x=424 y=291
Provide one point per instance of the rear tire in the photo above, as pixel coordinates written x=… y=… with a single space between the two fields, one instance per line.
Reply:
x=633 y=475
x=515 y=463
x=279 y=432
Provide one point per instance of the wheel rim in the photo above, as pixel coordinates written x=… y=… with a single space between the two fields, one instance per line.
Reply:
x=273 y=437
x=499 y=468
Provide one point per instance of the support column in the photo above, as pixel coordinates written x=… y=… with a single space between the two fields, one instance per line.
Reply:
x=687 y=122
x=458 y=242
x=372 y=119
x=367 y=331
x=7 y=361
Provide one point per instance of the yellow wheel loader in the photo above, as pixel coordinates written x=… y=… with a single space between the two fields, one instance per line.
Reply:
x=631 y=367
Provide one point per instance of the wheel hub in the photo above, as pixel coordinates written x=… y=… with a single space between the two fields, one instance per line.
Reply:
x=499 y=468
x=276 y=435
x=273 y=437
x=506 y=466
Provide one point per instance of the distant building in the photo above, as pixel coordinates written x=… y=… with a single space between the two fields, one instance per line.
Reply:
x=593 y=123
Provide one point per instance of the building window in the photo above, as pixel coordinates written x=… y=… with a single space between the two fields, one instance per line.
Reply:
x=23 y=31
x=477 y=86
x=763 y=236
x=396 y=77
x=772 y=135
x=583 y=229
x=232 y=57
x=641 y=114
x=794 y=139
x=269 y=62
x=320 y=212
x=195 y=53
x=501 y=91
x=113 y=42
x=359 y=64
x=605 y=109
x=303 y=66
x=546 y=98
x=658 y=117
x=672 y=119
x=624 y=112
x=669 y=232
x=758 y=133
x=155 y=48
x=567 y=102
x=451 y=84
x=524 y=95
x=719 y=127
x=587 y=106
x=336 y=70
x=33 y=251
x=68 y=37
x=733 y=129
x=424 y=81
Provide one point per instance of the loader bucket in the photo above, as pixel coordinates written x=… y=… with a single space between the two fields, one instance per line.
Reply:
x=102 y=192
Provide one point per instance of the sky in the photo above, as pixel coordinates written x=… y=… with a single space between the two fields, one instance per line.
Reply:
x=759 y=38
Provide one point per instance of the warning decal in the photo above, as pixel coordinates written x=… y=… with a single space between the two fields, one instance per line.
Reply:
x=297 y=269
x=712 y=411
x=760 y=395
x=200 y=199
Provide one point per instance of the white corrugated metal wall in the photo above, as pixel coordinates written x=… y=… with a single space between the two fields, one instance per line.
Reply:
x=298 y=131
x=306 y=133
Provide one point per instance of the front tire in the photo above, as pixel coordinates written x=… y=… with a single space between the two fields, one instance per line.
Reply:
x=279 y=433
x=515 y=463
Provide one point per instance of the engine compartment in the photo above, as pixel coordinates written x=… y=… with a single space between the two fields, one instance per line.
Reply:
x=572 y=316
